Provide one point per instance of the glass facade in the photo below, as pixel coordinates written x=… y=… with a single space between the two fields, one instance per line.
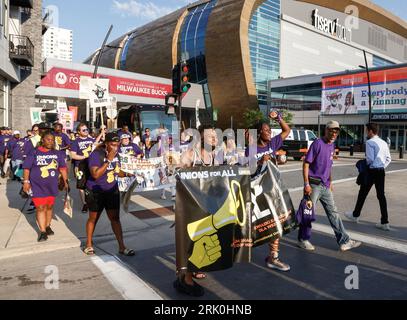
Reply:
x=123 y=56
x=264 y=42
x=380 y=62
x=304 y=97
x=191 y=46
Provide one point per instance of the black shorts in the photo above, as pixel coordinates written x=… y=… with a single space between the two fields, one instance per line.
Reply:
x=97 y=201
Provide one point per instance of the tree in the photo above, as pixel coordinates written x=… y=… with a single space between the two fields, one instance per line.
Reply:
x=253 y=116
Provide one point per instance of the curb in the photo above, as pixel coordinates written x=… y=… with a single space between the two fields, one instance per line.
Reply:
x=38 y=248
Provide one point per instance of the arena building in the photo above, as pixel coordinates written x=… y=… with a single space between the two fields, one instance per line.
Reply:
x=235 y=47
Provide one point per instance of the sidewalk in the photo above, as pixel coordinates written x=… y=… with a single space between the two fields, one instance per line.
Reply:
x=19 y=231
x=361 y=155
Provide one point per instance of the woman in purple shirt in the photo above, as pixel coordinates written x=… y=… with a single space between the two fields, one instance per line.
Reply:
x=102 y=191
x=267 y=147
x=41 y=172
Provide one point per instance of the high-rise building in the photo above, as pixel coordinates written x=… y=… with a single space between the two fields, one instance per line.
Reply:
x=21 y=26
x=57 y=44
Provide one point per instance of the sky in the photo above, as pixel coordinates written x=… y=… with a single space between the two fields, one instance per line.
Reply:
x=90 y=19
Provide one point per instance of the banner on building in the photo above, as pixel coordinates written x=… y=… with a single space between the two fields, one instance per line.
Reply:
x=35 y=114
x=213 y=223
x=66 y=118
x=349 y=94
x=273 y=213
x=99 y=95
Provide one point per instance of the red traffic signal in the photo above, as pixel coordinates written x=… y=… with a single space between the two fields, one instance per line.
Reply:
x=185 y=86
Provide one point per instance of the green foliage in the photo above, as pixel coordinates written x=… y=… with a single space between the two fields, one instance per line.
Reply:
x=253 y=116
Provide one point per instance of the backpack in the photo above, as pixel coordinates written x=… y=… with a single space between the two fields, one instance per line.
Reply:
x=82 y=171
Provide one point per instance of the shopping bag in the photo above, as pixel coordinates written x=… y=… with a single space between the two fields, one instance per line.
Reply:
x=68 y=204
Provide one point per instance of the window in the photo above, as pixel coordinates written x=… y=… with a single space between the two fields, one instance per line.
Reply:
x=192 y=40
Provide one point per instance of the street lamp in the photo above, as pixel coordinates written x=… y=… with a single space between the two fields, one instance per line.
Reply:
x=366 y=66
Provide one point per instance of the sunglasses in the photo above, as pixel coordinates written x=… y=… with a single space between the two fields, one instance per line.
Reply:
x=84 y=130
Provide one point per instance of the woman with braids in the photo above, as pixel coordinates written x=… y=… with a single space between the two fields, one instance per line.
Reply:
x=267 y=147
x=41 y=171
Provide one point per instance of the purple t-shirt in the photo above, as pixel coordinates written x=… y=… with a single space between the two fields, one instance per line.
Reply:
x=16 y=148
x=108 y=181
x=4 y=139
x=82 y=147
x=131 y=148
x=62 y=140
x=270 y=149
x=44 y=171
x=320 y=157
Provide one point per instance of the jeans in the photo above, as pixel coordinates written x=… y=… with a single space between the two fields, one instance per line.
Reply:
x=324 y=194
x=376 y=177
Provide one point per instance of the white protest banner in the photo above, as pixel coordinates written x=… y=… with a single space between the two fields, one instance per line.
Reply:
x=149 y=174
x=35 y=114
x=99 y=93
x=84 y=87
x=67 y=119
x=61 y=105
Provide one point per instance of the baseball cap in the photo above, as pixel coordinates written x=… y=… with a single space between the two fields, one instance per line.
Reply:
x=112 y=137
x=125 y=136
x=333 y=125
x=16 y=132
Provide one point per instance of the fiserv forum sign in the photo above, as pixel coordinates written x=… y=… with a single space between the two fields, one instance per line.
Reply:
x=331 y=27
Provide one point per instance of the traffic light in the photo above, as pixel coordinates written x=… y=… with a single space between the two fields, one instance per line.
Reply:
x=176 y=81
x=185 y=77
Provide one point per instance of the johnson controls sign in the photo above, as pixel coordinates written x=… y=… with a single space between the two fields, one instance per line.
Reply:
x=331 y=27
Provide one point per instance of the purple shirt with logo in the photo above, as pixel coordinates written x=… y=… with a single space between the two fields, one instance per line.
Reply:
x=16 y=148
x=44 y=169
x=320 y=157
x=82 y=147
x=108 y=181
x=270 y=149
x=62 y=140
x=131 y=148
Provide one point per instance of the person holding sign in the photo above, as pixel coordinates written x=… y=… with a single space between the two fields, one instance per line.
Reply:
x=81 y=149
x=267 y=147
x=102 y=191
x=127 y=147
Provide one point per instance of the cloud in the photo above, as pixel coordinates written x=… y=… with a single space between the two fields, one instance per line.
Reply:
x=141 y=9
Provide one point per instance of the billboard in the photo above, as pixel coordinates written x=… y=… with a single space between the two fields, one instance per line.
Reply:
x=349 y=93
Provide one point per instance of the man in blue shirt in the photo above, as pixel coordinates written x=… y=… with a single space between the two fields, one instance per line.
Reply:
x=378 y=158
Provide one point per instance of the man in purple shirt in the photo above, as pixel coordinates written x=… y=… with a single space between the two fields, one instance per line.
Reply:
x=318 y=184
x=62 y=141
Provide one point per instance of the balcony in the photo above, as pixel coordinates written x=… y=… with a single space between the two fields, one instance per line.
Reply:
x=21 y=50
x=22 y=3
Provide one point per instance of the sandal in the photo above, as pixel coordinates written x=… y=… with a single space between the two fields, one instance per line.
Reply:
x=128 y=252
x=194 y=290
x=198 y=275
x=89 y=251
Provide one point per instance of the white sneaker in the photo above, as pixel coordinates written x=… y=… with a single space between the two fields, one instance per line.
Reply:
x=163 y=197
x=351 y=244
x=173 y=198
x=277 y=264
x=305 y=244
x=385 y=227
x=350 y=217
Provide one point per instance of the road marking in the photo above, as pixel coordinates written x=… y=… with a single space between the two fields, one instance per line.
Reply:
x=347 y=180
x=126 y=282
x=372 y=240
